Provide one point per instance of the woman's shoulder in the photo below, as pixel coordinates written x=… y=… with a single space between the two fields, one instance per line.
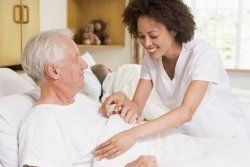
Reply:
x=197 y=44
x=200 y=48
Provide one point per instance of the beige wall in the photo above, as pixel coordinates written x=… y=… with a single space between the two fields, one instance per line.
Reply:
x=240 y=79
x=53 y=15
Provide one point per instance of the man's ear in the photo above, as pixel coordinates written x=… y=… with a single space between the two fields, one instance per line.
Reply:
x=52 y=71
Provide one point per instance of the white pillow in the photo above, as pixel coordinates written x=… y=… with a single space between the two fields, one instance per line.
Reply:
x=92 y=87
x=13 y=108
x=12 y=83
x=87 y=57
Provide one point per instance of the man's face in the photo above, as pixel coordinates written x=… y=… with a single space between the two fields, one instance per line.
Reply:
x=73 y=66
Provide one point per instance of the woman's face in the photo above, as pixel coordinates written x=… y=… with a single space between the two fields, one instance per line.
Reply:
x=155 y=38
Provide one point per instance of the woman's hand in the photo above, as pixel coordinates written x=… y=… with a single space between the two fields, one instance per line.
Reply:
x=128 y=110
x=143 y=161
x=116 y=99
x=116 y=145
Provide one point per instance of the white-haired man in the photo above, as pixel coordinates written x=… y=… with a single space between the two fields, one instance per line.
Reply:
x=62 y=129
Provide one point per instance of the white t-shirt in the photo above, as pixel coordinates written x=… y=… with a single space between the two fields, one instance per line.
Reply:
x=219 y=113
x=60 y=136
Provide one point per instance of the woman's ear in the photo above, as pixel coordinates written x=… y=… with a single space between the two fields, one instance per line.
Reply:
x=173 y=33
x=52 y=71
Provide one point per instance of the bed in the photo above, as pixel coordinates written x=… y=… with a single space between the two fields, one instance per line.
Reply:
x=18 y=94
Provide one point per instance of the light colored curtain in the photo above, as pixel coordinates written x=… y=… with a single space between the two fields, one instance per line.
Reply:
x=137 y=51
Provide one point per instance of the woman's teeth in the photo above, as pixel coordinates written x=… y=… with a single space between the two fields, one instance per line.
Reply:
x=151 y=50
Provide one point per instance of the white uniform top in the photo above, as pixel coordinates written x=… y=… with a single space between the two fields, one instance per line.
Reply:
x=219 y=113
x=60 y=136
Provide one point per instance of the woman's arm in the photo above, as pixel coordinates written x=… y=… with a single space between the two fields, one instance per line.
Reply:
x=122 y=141
x=142 y=93
x=178 y=116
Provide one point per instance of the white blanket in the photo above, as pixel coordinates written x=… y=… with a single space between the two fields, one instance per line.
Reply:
x=126 y=79
x=173 y=149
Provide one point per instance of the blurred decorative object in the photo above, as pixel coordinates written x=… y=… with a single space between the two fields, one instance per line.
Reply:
x=89 y=37
x=137 y=51
x=100 y=26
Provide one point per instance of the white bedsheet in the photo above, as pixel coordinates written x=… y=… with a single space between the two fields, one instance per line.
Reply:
x=244 y=98
x=203 y=152
x=173 y=149
x=196 y=153
x=126 y=79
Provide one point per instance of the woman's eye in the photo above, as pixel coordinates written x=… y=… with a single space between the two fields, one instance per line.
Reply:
x=153 y=37
x=141 y=37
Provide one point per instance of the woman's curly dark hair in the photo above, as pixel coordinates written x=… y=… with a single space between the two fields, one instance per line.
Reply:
x=174 y=14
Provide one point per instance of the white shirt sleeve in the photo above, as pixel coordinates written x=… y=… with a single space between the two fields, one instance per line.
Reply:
x=207 y=66
x=41 y=144
x=145 y=68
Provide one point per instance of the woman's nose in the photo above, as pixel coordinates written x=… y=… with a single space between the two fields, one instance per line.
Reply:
x=147 y=42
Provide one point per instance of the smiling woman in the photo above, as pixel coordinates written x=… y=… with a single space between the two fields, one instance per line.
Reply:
x=186 y=72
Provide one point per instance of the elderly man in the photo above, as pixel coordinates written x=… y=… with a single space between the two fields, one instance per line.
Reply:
x=62 y=129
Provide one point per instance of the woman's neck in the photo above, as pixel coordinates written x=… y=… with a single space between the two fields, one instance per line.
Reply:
x=173 y=54
x=169 y=60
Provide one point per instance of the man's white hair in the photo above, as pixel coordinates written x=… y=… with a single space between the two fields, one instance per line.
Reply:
x=44 y=48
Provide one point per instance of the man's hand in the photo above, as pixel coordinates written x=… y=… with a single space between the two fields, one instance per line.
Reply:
x=143 y=161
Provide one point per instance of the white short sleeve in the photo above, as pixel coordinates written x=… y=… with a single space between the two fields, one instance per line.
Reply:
x=206 y=66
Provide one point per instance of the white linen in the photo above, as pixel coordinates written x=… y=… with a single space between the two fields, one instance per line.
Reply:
x=92 y=87
x=178 y=150
x=244 y=97
x=199 y=61
x=60 y=136
x=126 y=79
x=13 y=108
x=12 y=83
x=88 y=58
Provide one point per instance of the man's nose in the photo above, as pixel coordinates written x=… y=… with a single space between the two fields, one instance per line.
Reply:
x=84 y=65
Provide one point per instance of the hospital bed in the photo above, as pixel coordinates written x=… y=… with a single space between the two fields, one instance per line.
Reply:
x=18 y=94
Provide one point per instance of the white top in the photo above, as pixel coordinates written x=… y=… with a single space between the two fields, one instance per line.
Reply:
x=60 y=136
x=219 y=113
